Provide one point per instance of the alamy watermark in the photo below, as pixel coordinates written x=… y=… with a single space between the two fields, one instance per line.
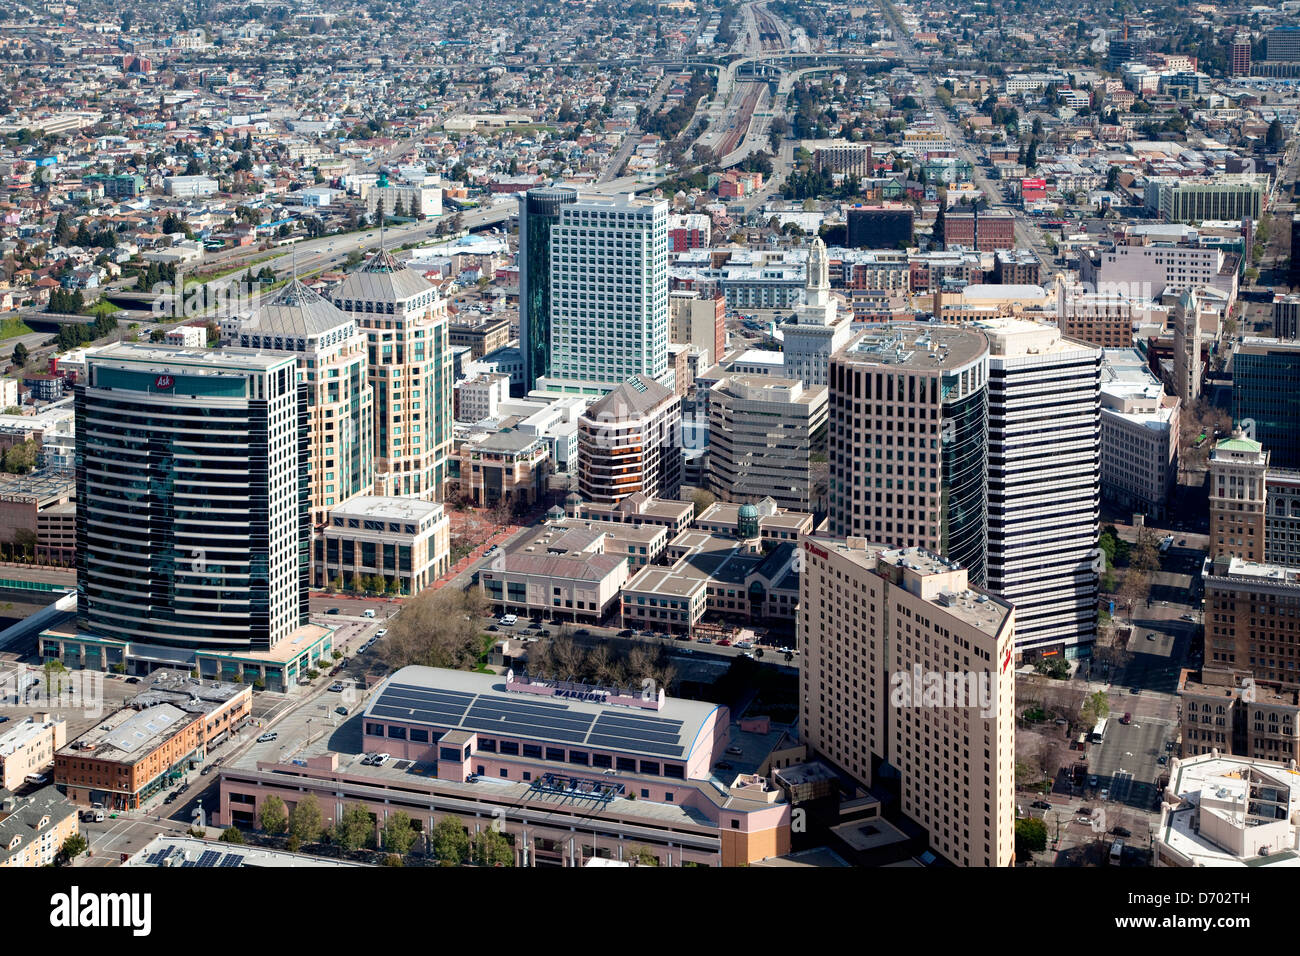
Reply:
x=53 y=689
x=966 y=689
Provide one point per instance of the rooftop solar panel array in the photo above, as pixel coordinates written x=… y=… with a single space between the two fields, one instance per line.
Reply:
x=232 y=859
x=533 y=718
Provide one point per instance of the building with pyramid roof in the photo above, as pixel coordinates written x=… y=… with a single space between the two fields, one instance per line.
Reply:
x=332 y=361
x=404 y=320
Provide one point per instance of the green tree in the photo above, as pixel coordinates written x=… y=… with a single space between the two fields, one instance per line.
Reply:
x=492 y=849
x=305 y=820
x=274 y=816
x=74 y=846
x=20 y=459
x=356 y=829
x=399 y=835
x=1095 y=707
x=644 y=856
x=20 y=355
x=232 y=835
x=1031 y=837
x=450 y=842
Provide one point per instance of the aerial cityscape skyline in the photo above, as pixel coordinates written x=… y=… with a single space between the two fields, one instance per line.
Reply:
x=711 y=433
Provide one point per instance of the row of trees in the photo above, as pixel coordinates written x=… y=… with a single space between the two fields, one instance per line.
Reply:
x=74 y=336
x=438 y=628
x=627 y=664
x=358 y=829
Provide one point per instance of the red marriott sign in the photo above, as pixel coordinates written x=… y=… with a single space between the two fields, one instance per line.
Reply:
x=816 y=550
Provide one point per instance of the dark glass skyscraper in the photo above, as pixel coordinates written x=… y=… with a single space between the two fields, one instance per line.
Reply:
x=192 y=497
x=539 y=210
x=1265 y=396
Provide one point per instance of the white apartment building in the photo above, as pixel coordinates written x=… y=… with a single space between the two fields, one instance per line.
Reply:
x=1044 y=481
x=1139 y=434
x=876 y=627
x=28 y=746
x=188 y=336
x=763 y=432
x=427 y=200
x=189 y=187
x=479 y=397
x=609 y=291
x=1146 y=272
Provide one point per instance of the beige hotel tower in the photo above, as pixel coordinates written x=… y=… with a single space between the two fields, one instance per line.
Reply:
x=902 y=661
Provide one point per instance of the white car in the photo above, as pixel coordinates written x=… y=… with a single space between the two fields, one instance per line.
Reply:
x=381 y=632
x=508 y=620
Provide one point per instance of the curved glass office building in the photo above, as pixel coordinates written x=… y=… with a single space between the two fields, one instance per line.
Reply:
x=192 y=497
x=539 y=210
x=908 y=441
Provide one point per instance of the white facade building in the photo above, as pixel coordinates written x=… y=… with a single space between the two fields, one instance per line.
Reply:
x=817 y=330
x=1044 y=480
x=609 y=291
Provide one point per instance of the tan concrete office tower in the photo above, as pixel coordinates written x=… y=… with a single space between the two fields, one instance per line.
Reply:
x=405 y=323
x=1238 y=498
x=331 y=351
x=903 y=662
x=764 y=432
x=907 y=440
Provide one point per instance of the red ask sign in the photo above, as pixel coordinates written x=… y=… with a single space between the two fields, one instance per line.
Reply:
x=164 y=382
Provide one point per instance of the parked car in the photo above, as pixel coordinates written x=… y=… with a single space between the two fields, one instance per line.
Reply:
x=332 y=610
x=341 y=710
x=268 y=737
x=1093 y=781
x=368 y=612
x=626 y=633
x=381 y=632
x=1121 y=831
x=336 y=686
x=1041 y=805
x=1104 y=795
x=724 y=643
x=1126 y=719
x=706 y=640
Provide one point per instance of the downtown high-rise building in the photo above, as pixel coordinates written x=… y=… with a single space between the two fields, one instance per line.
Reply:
x=817 y=329
x=192 y=497
x=902 y=661
x=609 y=293
x=404 y=319
x=331 y=352
x=1044 y=481
x=539 y=211
x=907 y=440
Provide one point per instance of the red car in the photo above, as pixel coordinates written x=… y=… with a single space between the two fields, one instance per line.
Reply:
x=1126 y=719
x=724 y=643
